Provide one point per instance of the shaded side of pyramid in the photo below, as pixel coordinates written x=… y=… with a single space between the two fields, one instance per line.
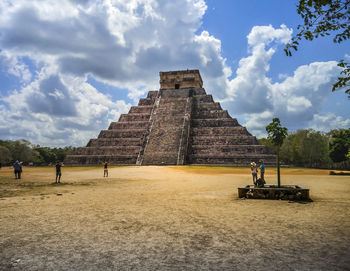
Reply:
x=122 y=142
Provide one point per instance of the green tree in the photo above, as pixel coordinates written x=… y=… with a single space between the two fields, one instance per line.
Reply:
x=291 y=150
x=276 y=134
x=46 y=155
x=348 y=155
x=339 y=145
x=24 y=151
x=307 y=148
x=268 y=144
x=324 y=18
x=21 y=150
x=5 y=155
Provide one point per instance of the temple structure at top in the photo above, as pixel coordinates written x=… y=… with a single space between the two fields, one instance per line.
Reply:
x=175 y=125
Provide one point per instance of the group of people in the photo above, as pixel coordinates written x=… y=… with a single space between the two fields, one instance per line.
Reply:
x=253 y=166
x=254 y=169
x=18 y=170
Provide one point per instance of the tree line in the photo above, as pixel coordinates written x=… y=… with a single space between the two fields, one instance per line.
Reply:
x=304 y=148
x=314 y=149
x=28 y=153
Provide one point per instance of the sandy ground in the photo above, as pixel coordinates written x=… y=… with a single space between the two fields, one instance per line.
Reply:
x=170 y=218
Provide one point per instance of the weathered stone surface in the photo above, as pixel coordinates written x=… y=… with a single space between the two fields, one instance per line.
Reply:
x=285 y=192
x=179 y=124
x=170 y=129
x=180 y=79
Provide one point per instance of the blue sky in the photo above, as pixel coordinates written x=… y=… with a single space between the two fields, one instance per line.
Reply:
x=68 y=69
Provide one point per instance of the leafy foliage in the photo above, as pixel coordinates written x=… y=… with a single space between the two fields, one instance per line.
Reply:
x=23 y=150
x=343 y=81
x=324 y=18
x=306 y=148
x=310 y=148
x=5 y=155
x=276 y=133
x=339 y=145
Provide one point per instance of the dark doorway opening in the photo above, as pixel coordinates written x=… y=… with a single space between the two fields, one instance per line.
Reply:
x=177 y=86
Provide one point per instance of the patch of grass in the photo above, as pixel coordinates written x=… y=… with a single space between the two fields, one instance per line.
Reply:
x=39 y=180
x=209 y=169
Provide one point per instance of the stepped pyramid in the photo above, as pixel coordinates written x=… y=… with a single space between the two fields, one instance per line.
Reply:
x=176 y=125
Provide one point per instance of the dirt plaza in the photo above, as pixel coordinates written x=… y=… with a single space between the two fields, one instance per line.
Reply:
x=170 y=218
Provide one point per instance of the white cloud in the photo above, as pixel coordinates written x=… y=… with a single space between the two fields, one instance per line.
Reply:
x=58 y=110
x=328 y=122
x=298 y=104
x=15 y=66
x=267 y=34
x=125 y=44
x=295 y=100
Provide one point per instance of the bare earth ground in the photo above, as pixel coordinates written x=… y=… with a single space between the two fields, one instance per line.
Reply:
x=170 y=218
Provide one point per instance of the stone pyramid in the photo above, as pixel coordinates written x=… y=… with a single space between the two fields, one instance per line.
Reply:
x=176 y=125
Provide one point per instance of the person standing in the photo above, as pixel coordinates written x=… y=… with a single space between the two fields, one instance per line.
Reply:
x=105 y=170
x=254 y=172
x=262 y=170
x=58 y=172
x=17 y=168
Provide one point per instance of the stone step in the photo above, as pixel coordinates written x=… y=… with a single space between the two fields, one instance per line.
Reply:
x=137 y=133
x=134 y=117
x=141 y=109
x=100 y=159
x=176 y=123
x=227 y=148
x=152 y=94
x=99 y=142
x=235 y=130
x=207 y=106
x=202 y=99
x=199 y=91
x=210 y=114
x=162 y=158
x=146 y=101
x=167 y=135
x=128 y=125
x=108 y=150
x=225 y=122
x=219 y=140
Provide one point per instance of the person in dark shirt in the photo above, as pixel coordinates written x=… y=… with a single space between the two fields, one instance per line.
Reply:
x=262 y=170
x=58 y=171
x=17 y=168
x=105 y=170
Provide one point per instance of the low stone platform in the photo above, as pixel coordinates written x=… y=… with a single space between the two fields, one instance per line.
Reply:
x=285 y=192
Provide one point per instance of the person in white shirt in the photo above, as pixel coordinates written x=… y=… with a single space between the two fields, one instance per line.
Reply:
x=254 y=172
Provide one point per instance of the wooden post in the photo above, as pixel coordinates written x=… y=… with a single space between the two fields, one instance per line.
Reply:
x=278 y=167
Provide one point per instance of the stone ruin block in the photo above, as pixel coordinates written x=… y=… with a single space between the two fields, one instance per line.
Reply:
x=128 y=125
x=147 y=109
x=134 y=117
x=227 y=122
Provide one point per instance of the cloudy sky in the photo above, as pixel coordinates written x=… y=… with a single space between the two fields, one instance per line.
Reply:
x=68 y=68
